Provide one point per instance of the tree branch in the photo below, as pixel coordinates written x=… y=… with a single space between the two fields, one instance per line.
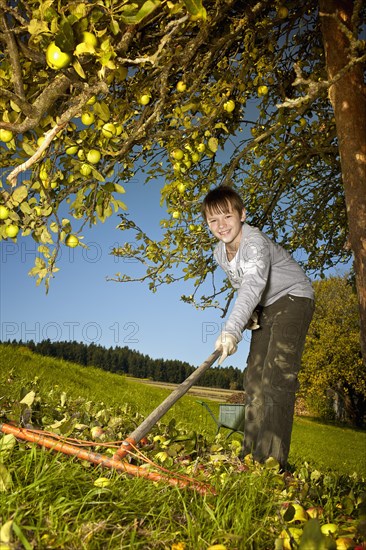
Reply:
x=62 y=122
x=14 y=59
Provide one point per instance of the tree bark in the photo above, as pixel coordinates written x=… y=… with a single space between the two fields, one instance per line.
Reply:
x=348 y=98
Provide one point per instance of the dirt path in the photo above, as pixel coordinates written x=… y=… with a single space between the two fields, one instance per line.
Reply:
x=214 y=394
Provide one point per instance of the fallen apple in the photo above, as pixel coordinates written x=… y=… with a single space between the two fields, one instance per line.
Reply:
x=329 y=528
x=315 y=512
x=288 y=534
x=96 y=432
x=345 y=543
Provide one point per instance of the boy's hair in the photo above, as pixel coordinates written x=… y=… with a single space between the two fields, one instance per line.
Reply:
x=222 y=199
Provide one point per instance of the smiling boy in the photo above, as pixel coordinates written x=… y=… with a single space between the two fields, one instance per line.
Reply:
x=271 y=284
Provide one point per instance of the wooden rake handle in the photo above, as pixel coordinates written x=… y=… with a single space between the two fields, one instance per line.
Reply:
x=156 y=414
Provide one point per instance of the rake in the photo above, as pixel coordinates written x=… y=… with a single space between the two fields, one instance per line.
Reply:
x=129 y=444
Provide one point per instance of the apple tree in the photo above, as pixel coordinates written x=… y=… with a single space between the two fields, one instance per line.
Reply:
x=199 y=93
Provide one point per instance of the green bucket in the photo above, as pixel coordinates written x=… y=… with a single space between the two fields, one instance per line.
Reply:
x=232 y=416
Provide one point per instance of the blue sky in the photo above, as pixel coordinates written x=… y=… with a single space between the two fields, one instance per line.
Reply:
x=82 y=305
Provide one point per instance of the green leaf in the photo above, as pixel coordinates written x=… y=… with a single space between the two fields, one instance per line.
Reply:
x=98 y=176
x=118 y=188
x=78 y=68
x=37 y=27
x=19 y=533
x=196 y=9
x=5 y=483
x=102 y=111
x=25 y=208
x=65 y=38
x=7 y=443
x=83 y=48
x=114 y=26
x=19 y=195
x=28 y=398
x=5 y=531
x=146 y=9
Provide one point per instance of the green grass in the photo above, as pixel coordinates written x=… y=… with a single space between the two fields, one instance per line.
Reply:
x=325 y=446
x=52 y=501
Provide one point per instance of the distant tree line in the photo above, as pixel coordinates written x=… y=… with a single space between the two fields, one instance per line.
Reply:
x=123 y=360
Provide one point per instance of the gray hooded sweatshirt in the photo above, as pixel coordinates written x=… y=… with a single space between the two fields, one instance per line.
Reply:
x=262 y=272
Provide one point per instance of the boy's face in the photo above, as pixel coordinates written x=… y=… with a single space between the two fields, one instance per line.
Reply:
x=226 y=225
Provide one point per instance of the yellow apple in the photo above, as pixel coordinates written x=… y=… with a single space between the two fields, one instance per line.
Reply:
x=108 y=130
x=87 y=118
x=144 y=99
x=6 y=135
x=300 y=514
x=181 y=187
x=315 y=512
x=177 y=154
x=4 y=212
x=329 y=528
x=71 y=241
x=229 y=105
x=57 y=59
x=71 y=150
x=175 y=214
x=345 y=543
x=119 y=129
x=262 y=90
x=11 y=230
x=90 y=39
x=93 y=156
x=285 y=536
x=181 y=86
x=85 y=169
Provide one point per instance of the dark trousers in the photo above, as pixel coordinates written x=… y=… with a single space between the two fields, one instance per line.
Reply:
x=270 y=378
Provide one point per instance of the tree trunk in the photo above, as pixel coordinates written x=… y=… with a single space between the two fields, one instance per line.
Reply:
x=348 y=98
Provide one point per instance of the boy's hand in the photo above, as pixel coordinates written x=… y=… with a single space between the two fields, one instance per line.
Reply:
x=227 y=344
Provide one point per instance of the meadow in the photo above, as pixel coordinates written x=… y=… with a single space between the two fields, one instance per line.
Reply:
x=51 y=500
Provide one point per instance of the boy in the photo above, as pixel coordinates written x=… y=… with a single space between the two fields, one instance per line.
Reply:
x=272 y=285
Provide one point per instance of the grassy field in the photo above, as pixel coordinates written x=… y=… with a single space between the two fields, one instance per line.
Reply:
x=50 y=500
